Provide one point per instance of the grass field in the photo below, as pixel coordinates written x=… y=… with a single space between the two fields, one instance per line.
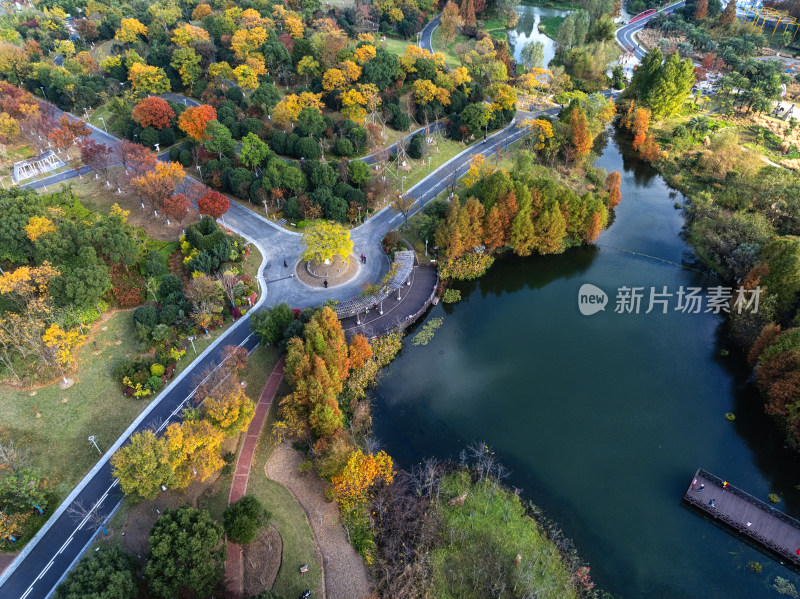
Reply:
x=438 y=44
x=100 y=114
x=549 y=26
x=397 y=47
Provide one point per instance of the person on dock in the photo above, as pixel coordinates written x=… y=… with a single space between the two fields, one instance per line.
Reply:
x=724 y=485
x=712 y=503
x=701 y=487
x=694 y=482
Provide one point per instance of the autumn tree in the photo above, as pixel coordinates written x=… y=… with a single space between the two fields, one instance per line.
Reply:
x=213 y=203
x=96 y=156
x=701 y=9
x=153 y=112
x=612 y=187
x=143 y=465
x=130 y=30
x=640 y=124
x=728 y=15
x=176 y=206
x=135 y=158
x=158 y=184
x=323 y=240
x=194 y=451
x=194 y=120
x=362 y=472
x=68 y=132
x=230 y=412
x=402 y=203
x=581 y=139
x=9 y=128
x=147 y=79
x=451 y=22
x=468 y=12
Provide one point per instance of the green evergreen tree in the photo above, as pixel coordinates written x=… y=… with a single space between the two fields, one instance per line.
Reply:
x=673 y=86
x=645 y=76
x=522 y=234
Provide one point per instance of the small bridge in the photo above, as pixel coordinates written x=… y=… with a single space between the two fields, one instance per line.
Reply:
x=760 y=523
x=643 y=15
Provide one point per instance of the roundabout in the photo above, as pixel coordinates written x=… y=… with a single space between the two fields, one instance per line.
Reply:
x=336 y=272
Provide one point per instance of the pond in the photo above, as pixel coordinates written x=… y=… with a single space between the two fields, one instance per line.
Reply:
x=527 y=30
x=602 y=420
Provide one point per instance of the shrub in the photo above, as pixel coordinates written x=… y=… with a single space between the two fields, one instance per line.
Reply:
x=148 y=137
x=416 y=147
x=773 y=498
x=730 y=417
x=154 y=383
x=451 y=296
x=166 y=137
x=754 y=567
x=146 y=316
x=245 y=519
x=344 y=147
x=185 y=157
x=157 y=370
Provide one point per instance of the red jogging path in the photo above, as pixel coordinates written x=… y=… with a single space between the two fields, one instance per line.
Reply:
x=233 y=566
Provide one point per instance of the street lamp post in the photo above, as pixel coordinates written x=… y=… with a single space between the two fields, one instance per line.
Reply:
x=359 y=214
x=43 y=92
x=426 y=248
x=93 y=441
x=402 y=184
x=266 y=210
x=104 y=123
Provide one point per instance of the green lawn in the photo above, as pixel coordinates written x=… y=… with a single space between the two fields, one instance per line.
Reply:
x=549 y=26
x=397 y=47
x=102 y=112
x=438 y=44
x=447 y=149
x=94 y=405
x=290 y=521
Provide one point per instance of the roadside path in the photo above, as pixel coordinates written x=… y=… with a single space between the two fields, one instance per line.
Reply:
x=233 y=565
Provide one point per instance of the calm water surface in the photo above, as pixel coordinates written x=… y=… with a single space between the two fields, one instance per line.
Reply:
x=602 y=419
x=528 y=30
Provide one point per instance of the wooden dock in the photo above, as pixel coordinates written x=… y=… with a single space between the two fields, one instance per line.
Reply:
x=759 y=522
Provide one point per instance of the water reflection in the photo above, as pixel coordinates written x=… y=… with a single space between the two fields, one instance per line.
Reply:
x=527 y=30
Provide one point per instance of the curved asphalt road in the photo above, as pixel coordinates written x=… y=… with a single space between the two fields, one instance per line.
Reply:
x=625 y=34
x=60 y=543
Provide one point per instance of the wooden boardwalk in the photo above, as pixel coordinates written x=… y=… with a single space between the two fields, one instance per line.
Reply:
x=414 y=300
x=759 y=522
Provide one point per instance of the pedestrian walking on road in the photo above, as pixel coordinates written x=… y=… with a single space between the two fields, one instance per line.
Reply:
x=325 y=283
x=285 y=265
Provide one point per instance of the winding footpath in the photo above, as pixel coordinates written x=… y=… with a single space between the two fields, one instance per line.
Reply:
x=46 y=559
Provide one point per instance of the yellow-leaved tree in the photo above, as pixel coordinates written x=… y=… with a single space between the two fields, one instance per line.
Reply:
x=194 y=450
x=288 y=109
x=324 y=239
x=62 y=345
x=38 y=226
x=362 y=472
x=231 y=412
x=130 y=30
x=478 y=170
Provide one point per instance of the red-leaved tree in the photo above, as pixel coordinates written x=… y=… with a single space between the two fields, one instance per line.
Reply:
x=153 y=112
x=68 y=132
x=135 y=158
x=176 y=206
x=96 y=156
x=213 y=203
x=194 y=120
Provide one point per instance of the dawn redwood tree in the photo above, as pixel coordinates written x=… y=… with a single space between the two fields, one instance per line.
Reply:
x=612 y=186
x=135 y=158
x=153 y=112
x=176 y=206
x=213 y=203
x=581 y=139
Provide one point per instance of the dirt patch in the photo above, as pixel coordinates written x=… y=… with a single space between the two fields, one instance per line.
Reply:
x=344 y=572
x=336 y=273
x=6 y=559
x=262 y=561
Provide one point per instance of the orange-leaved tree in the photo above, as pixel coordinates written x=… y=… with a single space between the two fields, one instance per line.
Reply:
x=612 y=187
x=158 y=184
x=230 y=411
x=194 y=120
x=153 y=112
x=581 y=139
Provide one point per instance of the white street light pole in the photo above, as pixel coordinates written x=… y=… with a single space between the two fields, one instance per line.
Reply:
x=402 y=184
x=104 y=123
x=93 y=441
